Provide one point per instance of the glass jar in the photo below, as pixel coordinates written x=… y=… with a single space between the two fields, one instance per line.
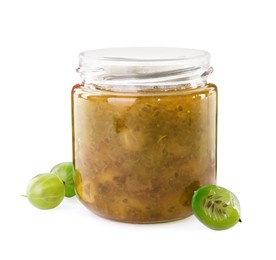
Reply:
x=144 y=132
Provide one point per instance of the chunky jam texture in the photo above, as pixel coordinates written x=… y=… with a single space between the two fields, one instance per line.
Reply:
x=139 y=157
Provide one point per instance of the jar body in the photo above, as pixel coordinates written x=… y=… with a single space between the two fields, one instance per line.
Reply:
x=140 y=156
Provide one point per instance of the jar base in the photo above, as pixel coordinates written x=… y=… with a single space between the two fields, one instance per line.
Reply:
x=137 y=221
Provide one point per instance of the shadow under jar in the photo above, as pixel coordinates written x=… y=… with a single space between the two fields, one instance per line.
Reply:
x=144 y=132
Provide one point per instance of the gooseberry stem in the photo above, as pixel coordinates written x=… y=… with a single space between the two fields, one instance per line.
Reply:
x=240 y=220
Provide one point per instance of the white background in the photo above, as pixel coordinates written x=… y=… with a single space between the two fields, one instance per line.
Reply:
x=39 y=47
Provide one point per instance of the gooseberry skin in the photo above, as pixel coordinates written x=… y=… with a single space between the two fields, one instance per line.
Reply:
x=45 y=191
x=216 y=207
x=65 y=172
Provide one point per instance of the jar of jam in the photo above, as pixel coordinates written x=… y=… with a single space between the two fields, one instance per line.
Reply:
x=144 y=132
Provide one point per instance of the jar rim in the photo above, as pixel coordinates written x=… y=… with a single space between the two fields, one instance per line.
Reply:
x=142 y=65
x=144 y=56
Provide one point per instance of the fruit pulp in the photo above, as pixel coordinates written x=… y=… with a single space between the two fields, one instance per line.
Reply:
x=140 y=156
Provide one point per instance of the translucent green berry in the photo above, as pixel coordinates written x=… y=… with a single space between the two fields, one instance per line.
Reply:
x=45 y=191
x=65 y=172
x=216 y=207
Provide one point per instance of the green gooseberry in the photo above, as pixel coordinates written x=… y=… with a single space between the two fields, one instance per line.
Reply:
x=45 y=191
x=65 y=172
x=216 y=207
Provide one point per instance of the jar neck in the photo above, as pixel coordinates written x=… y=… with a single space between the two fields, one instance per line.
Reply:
x=145 y=80
x=132 y=69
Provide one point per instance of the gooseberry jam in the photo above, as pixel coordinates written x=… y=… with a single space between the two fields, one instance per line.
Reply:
x=144 y=132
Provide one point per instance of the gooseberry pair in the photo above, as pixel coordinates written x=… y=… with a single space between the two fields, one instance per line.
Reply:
x=46 y=191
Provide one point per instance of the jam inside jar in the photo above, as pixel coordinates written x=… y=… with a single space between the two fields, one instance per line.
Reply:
x=144 y=132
